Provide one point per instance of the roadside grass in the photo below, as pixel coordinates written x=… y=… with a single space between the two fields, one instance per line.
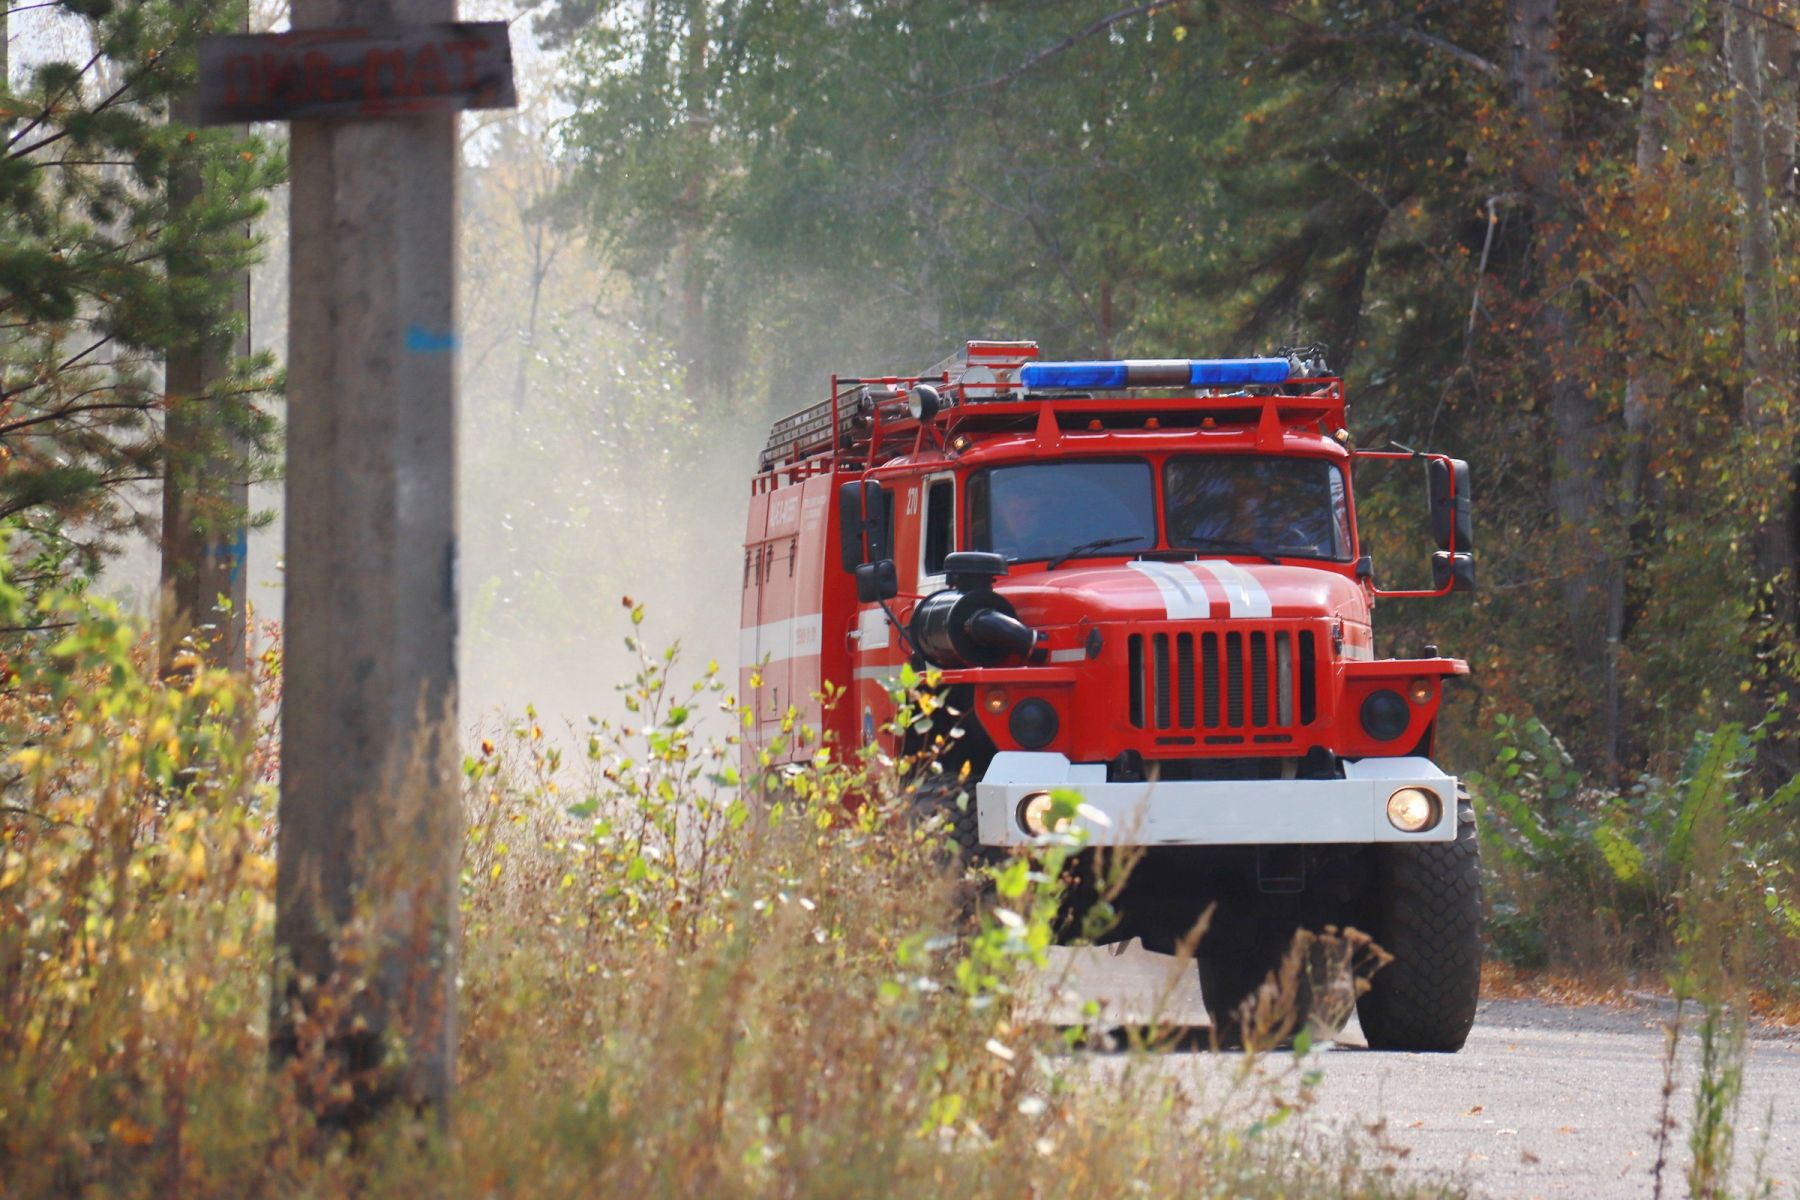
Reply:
x=672 y=983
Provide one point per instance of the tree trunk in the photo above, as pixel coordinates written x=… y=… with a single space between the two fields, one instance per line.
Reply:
x=1783 y=58
x=206 y=487
x=1766 y=375
x=1533 y=77
x=1105 y=348
x=1647 y=383
x=690 y=265
x=528 y=342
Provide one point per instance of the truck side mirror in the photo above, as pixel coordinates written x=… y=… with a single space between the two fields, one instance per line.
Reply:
x=877 y=581
x=1447 y=486
x=1455 y=569
x=865 y=516
x=1450 y=514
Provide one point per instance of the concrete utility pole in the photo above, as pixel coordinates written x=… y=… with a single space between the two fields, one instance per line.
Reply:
x=206 y=489
x=370 y=791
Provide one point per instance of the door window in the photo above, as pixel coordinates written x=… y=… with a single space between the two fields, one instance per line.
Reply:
x=940 y=524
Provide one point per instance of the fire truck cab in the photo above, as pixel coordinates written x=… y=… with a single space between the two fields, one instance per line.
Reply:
x=1141 y=581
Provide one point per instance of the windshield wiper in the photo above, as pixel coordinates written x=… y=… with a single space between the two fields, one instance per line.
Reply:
x=1230 y=546
x=1089 y=548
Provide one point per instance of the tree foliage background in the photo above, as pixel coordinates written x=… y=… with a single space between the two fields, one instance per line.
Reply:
x=103 y=272
x=1556 y=237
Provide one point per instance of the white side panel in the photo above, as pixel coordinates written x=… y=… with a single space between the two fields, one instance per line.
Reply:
x=778 y=641
x=872 y=630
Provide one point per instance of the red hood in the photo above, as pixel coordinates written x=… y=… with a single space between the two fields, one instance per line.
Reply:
x=1212 y=588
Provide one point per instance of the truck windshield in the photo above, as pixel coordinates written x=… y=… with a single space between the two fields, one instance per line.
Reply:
x=1295 y=507
x=1042 y=510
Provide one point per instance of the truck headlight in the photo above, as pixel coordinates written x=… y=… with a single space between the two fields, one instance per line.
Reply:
x=1411 y=809
x=1033 y=723
x=1034 y=814
x=1385 y=715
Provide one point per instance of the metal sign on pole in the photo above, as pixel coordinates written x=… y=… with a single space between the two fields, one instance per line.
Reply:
x=372 y=71
x=370 y=786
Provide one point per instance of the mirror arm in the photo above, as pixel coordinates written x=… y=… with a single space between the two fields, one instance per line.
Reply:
x=905 y=633
x=1410 y=595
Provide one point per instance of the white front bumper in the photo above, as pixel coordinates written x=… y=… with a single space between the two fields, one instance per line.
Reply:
x=1256 y=812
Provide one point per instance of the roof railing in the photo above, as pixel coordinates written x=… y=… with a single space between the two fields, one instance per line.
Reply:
x=863 y=412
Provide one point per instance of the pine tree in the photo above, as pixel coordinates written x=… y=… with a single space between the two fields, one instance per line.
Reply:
x=100 y=274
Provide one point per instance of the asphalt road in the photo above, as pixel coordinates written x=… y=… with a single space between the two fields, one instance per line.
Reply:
x=1545 y=1100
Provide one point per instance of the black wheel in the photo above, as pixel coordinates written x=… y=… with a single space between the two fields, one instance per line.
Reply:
x=1314 y=996
x=1227 y=982
x=945 y=808
x=1427 y=914
x=940 y=801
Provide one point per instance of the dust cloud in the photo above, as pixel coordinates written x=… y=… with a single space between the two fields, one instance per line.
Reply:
x=590 y=470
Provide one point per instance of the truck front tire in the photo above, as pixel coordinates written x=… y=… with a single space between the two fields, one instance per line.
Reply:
x=1426 y=912
x=952 y=802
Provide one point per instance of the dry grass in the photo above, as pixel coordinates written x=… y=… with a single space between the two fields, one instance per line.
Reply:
x=1501 y=981
x=670 y=986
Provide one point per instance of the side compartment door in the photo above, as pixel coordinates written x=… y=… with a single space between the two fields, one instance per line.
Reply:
x=750 y=618
x=820 y=588
x=789 y=626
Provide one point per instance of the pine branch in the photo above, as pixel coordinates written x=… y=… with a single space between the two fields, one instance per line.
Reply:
x=50 y=105
x=72 y=411
x=60 y=134
x=71 y=361
x=1401 y=27
x=1074 y=39
x=1760 y=14
x=1414 y=34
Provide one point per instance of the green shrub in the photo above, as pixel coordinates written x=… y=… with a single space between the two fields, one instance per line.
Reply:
x=1587 y=877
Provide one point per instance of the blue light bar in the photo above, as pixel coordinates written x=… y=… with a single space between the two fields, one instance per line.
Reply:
x=1235 y=372
x=1178 y=372
x=1073 y=375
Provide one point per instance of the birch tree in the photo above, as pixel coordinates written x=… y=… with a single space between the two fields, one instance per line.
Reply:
x=1767 y=369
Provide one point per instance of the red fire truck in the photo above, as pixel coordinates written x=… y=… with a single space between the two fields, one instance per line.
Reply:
x=1142 y=581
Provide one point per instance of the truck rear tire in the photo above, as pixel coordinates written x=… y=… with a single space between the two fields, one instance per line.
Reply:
x=1226 y=982
x=1427 y=914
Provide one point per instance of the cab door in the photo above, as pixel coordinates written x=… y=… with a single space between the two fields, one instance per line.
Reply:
x=937 y=530
x=877 y=650
x=923 y=535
